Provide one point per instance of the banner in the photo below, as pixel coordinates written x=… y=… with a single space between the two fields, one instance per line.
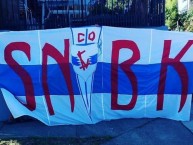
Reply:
x=89 y=74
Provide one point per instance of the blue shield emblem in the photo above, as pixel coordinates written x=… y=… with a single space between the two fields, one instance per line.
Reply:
x=84 y=57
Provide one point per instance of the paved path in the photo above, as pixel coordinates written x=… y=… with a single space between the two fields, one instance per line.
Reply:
x=123 y=131
x=156 y=132
x=105 y=128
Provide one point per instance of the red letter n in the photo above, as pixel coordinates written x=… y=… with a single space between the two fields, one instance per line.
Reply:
x=125 y=66
x=63 y=61
x=180 y=69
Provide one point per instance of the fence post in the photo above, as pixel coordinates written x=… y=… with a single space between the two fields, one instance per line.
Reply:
x=43 y=14
x=82 y=9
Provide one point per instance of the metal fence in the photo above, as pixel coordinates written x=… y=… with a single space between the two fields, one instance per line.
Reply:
x=46 y=14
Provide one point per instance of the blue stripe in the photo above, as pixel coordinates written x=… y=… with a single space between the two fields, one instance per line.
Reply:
x=147 y=76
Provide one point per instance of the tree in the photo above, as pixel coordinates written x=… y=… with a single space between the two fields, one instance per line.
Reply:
x=97 y=7
x=171 y=14
x=188 y=21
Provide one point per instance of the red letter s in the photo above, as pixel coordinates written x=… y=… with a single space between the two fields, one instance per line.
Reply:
x=29 y=90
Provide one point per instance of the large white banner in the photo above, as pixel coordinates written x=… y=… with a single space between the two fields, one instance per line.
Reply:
x=89 y=74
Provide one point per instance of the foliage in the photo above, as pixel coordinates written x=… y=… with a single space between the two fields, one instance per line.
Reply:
x=175 y=21
x=188 y=21
x=117 y=6
x=97 y=7
x=171 y=12
x=108 y=6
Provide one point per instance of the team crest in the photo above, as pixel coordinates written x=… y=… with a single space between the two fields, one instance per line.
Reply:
x=84 y=57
